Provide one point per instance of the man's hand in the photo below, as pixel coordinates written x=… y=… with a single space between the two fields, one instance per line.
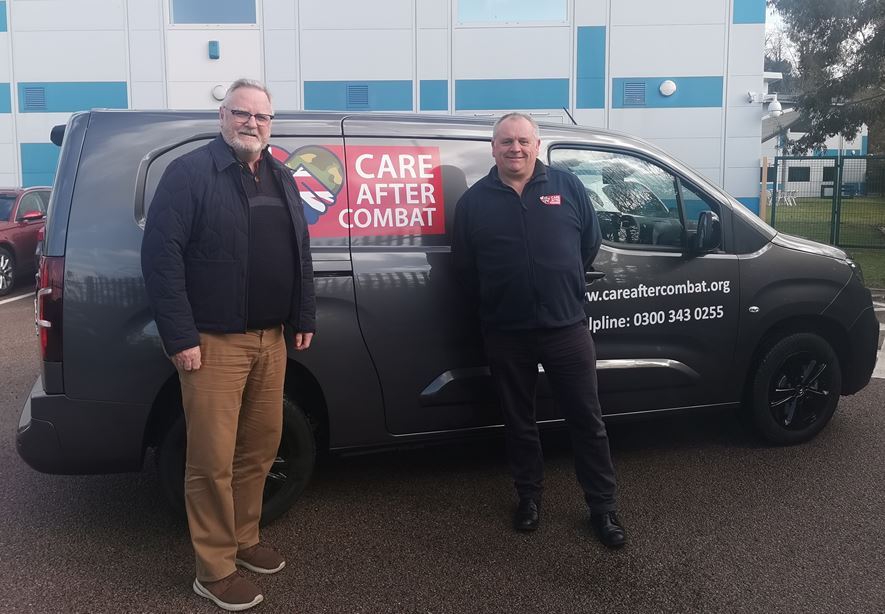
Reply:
x=187 y=360
x=302 y=340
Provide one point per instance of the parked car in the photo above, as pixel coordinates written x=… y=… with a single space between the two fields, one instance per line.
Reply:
x=715 y=309
x=22 y=213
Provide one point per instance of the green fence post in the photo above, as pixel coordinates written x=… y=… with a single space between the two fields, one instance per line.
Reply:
x=837 y=200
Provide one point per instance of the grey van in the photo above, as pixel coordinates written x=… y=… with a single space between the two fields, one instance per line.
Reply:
x=694 y=301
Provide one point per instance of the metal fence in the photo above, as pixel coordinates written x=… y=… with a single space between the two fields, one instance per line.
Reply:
x=833 y=199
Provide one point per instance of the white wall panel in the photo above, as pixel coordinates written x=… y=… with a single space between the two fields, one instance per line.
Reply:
x=8 y=178
x=188 y=55
x=695 y=152
x=145 y=14
x=668 y=123
x=433 y=54
x=672 y=51
x=42 y=15
x=145 y=55
x=511 y=53
x=590 y=13
x=198 y=94
x=368 y=54
x=594 y=118
x=742 y=181
x=745 y=49
x=280 y=55
x=346 y=14
x=743 y=151
x=433 y=13
x=147 y=95
x=6 y=128
x=279 y=14
x=659 y=13
x=286 y=95
x=745 y=121
x=70 y=56
x=35 y=127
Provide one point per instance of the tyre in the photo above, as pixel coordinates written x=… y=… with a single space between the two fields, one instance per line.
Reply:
x=7 y=272
x=795 y=389
x=286 y=480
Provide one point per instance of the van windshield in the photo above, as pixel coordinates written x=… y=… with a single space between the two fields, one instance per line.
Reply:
x=7 y=202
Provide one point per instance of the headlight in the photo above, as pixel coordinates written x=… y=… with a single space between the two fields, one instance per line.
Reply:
x=857 y=270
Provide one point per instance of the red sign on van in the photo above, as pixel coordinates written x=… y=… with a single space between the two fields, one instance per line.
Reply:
x=389 y=190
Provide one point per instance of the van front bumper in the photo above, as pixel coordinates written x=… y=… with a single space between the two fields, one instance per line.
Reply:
x=57 y=434
x=863 y=344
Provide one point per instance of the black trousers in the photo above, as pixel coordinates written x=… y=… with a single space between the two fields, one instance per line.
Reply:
x=568 y=356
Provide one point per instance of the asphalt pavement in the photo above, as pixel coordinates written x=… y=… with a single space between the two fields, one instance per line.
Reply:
x=717 y=522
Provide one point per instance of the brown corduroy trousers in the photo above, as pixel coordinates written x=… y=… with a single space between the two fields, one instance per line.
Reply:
x=233 y=406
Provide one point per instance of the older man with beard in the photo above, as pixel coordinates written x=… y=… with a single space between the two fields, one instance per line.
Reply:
x=226 y=262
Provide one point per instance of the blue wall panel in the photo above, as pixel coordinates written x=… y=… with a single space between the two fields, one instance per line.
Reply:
x=478 y=94
x=5 y=98
x=749 y=11
x=38 y=163
x=864 y=145
x=66 y=97
x=690 y=92
x=3 y=26
x=590 y=92
x=381 y=96
x=434 y=95
x=751 y=203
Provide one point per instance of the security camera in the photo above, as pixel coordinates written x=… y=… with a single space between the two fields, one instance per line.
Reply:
x=775 y=109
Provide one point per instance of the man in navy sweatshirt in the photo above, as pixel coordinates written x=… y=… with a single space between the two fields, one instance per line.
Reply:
x=524 y=235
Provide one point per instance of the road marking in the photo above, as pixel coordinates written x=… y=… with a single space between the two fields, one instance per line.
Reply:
x=16 y=298
x=879 y=371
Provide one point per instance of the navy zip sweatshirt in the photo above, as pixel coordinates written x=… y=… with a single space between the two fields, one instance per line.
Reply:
x=523 y=258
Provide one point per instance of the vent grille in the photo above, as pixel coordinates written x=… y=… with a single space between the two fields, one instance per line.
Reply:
x=634 y=93
x=35 y=98
x=357 y=96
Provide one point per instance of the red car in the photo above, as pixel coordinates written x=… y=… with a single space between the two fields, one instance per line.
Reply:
x=22 y=215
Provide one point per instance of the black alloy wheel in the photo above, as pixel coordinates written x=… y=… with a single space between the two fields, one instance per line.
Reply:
x=796 y=388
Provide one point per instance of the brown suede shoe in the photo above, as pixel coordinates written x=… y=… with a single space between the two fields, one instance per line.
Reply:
x=233 y=593
x=260 y=559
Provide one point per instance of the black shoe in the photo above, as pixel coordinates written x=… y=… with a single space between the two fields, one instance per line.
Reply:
x=608 y=529
x=528 y=514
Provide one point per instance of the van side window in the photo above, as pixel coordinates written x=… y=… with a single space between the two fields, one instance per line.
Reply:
x=30 y=203
x=637 y=202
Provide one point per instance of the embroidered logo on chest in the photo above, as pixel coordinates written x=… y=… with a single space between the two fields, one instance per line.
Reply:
x=551 y=199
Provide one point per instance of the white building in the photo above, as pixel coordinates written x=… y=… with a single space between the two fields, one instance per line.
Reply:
x=610 y=63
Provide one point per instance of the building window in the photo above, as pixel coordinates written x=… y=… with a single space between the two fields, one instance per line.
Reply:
x=829 y=173
x=799 y=173
x=769 y=176
x=214 y=12
x=512 y=11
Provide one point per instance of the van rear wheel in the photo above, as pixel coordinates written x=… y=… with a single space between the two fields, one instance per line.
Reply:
x=795 y=389
x=286 y=480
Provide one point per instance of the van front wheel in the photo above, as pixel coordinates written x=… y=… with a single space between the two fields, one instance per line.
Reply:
x=286 y=480
x=795 y=389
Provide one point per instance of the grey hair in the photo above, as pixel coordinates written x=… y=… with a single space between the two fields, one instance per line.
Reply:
x=524 y=116
x=250 y=83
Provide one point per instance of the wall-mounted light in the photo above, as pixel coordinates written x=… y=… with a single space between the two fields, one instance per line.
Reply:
x=667 y=88
x=218 y=92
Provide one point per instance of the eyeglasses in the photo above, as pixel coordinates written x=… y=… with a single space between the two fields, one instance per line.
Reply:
x=262 y=119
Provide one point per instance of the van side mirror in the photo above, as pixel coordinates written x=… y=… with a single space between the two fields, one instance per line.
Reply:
x=709 y=232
